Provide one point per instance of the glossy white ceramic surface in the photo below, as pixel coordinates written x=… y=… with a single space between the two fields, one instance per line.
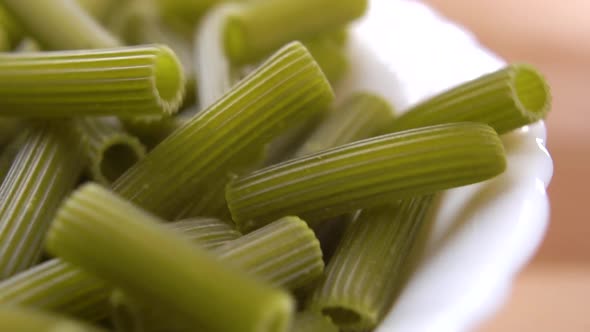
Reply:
x=483 y=234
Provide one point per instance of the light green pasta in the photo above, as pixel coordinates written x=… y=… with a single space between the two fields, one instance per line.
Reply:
x=366 y=173
x=360 y=116
x=126 y=81
x=64 y=288
x=312 y=322
x=287 y=88
x=17 y=319
x=59 y=24
x=260 y=27
x=124 y=235
x=208 y=233
x=137 y=22
x=507 y=99
x=109 y=149
x=45 y=169
x=285 y=253
x=58 y=287
x=362 y=276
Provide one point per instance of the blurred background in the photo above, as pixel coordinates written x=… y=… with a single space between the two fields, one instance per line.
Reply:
x=553 y=292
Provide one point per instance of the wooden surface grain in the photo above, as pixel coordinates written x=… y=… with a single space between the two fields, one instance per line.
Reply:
x=553 y=292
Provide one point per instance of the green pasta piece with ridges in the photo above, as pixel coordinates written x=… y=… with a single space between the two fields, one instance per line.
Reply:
x=363 y=274
x=109 y=149
x=288 y=87
x=18 y=319
x=59 y=24
x=368 y=172
x=219 y=300
x=45 y=169
x=260 y=27
x=360 y=116
x=126 y=81
x=309 y=321
x=58 y=287
x=137 y=22
x=208 y=233
x=285 y=253
x=63 y=288
x=506 y=99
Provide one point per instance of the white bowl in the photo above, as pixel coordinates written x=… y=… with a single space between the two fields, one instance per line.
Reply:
x=485 y=233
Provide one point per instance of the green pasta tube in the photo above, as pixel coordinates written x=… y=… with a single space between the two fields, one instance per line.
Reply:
x=127 y=81
x=17 y=319
x=208 y=233
x=312 y=322
x=109 y=149
x=285 y=253
x=287 y=88
x=58 y=287
x=59 y=24
x=507 y=99
x=363 y=274
x=219 y=300
x=138 y=23
x=368 y=172
x=260 y=27
x=64 y=288
x=45 y=169
x=361 y=116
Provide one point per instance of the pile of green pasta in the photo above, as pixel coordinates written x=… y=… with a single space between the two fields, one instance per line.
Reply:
x=181 y=165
